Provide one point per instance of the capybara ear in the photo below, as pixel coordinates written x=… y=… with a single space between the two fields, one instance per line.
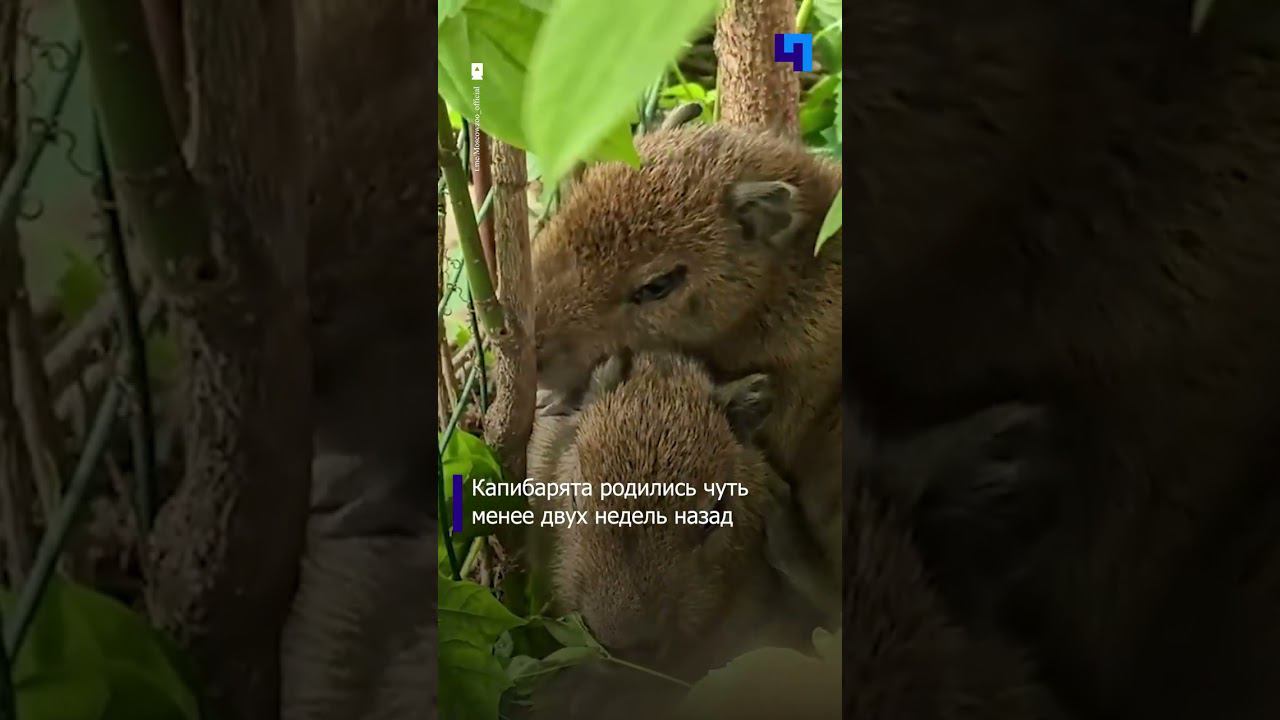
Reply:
x=608 y=375
x=747 y=402
x=982 y=491
x=765 y=212
x=681 y=115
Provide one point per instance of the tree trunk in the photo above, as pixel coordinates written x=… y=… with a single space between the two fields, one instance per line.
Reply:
x=360 y=642
x=510 y=417
x=225 y=549
x=755 y=91
x=164 y=27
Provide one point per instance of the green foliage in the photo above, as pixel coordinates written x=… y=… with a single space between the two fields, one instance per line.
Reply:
x=472 y=680
x=79 y=287
x=500 y=34
x=832 y=222
x=822 y=108
x=818 y=107
x=683 y=92
x=591 y=62
x=469 y=456
x=87 y=657
x=773 y=682
x=828 y=12
x=1199 y=14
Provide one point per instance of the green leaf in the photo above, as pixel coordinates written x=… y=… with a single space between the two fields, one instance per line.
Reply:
x=471 y=681
x=818 y=110
x=771 y=682
x=575 y=98
x=618 y=145
x=681 y=93
x=469 y=456
x=87 y=648
x=527 y=673
x=460 y=546
x=468 y=612
x=79 y=287
x=840 y=109
x=828 y=46
x=446 y=9
x=571 y=631
x=832 y=222
x=500 y=34
x=829 y=11
x=63 y=695
x=469 y=622
x=533 y=167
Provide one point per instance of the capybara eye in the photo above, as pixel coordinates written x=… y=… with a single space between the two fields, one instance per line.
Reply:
x=659 y=287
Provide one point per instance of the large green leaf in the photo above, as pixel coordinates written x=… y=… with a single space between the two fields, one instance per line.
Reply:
x=818 y=108
x=772 y=683
x=446 y=9
x=828 y=11
x=469 y=456
x=840 y=109
x=590 y=62
x=88 y=657
x=832 y=222
x=500 y=34
x=469 y=622
x=471 y=681
x=527 y=673
x=469 y=613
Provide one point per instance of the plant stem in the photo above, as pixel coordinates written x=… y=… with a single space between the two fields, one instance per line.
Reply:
x=161 y=199
x=55 y=536
x=135 y=347
x=473 y=552
x=453 y=286
x=648 y=671
x=475 y=331
x=468 y=231
x=20 y=174
x=8 y=703
x=802 y=16
x=443 y=516
x=675 y=67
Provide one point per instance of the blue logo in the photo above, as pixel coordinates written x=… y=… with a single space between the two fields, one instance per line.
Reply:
x=795 y=48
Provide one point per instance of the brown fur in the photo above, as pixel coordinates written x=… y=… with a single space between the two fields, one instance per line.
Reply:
x=905 y=656
x=751 y=301
x=1092 y=224
x=675 y=595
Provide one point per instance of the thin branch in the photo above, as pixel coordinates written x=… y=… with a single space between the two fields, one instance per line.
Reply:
x=135 y=350
x=481 y=184
x=161 y=199
x=490 y=310
x=31 y=397
x=17 y=177
x=55 y=536
x=8 y=701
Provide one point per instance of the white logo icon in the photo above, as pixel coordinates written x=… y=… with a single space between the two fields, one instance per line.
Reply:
x=477 y=71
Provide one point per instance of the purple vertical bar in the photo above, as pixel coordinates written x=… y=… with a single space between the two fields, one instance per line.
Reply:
x=457 y=504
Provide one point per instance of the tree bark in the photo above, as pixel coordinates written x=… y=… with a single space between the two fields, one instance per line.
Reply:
x=164 y=26
x=225 y=549
x=755 y=91
x=510 y=417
